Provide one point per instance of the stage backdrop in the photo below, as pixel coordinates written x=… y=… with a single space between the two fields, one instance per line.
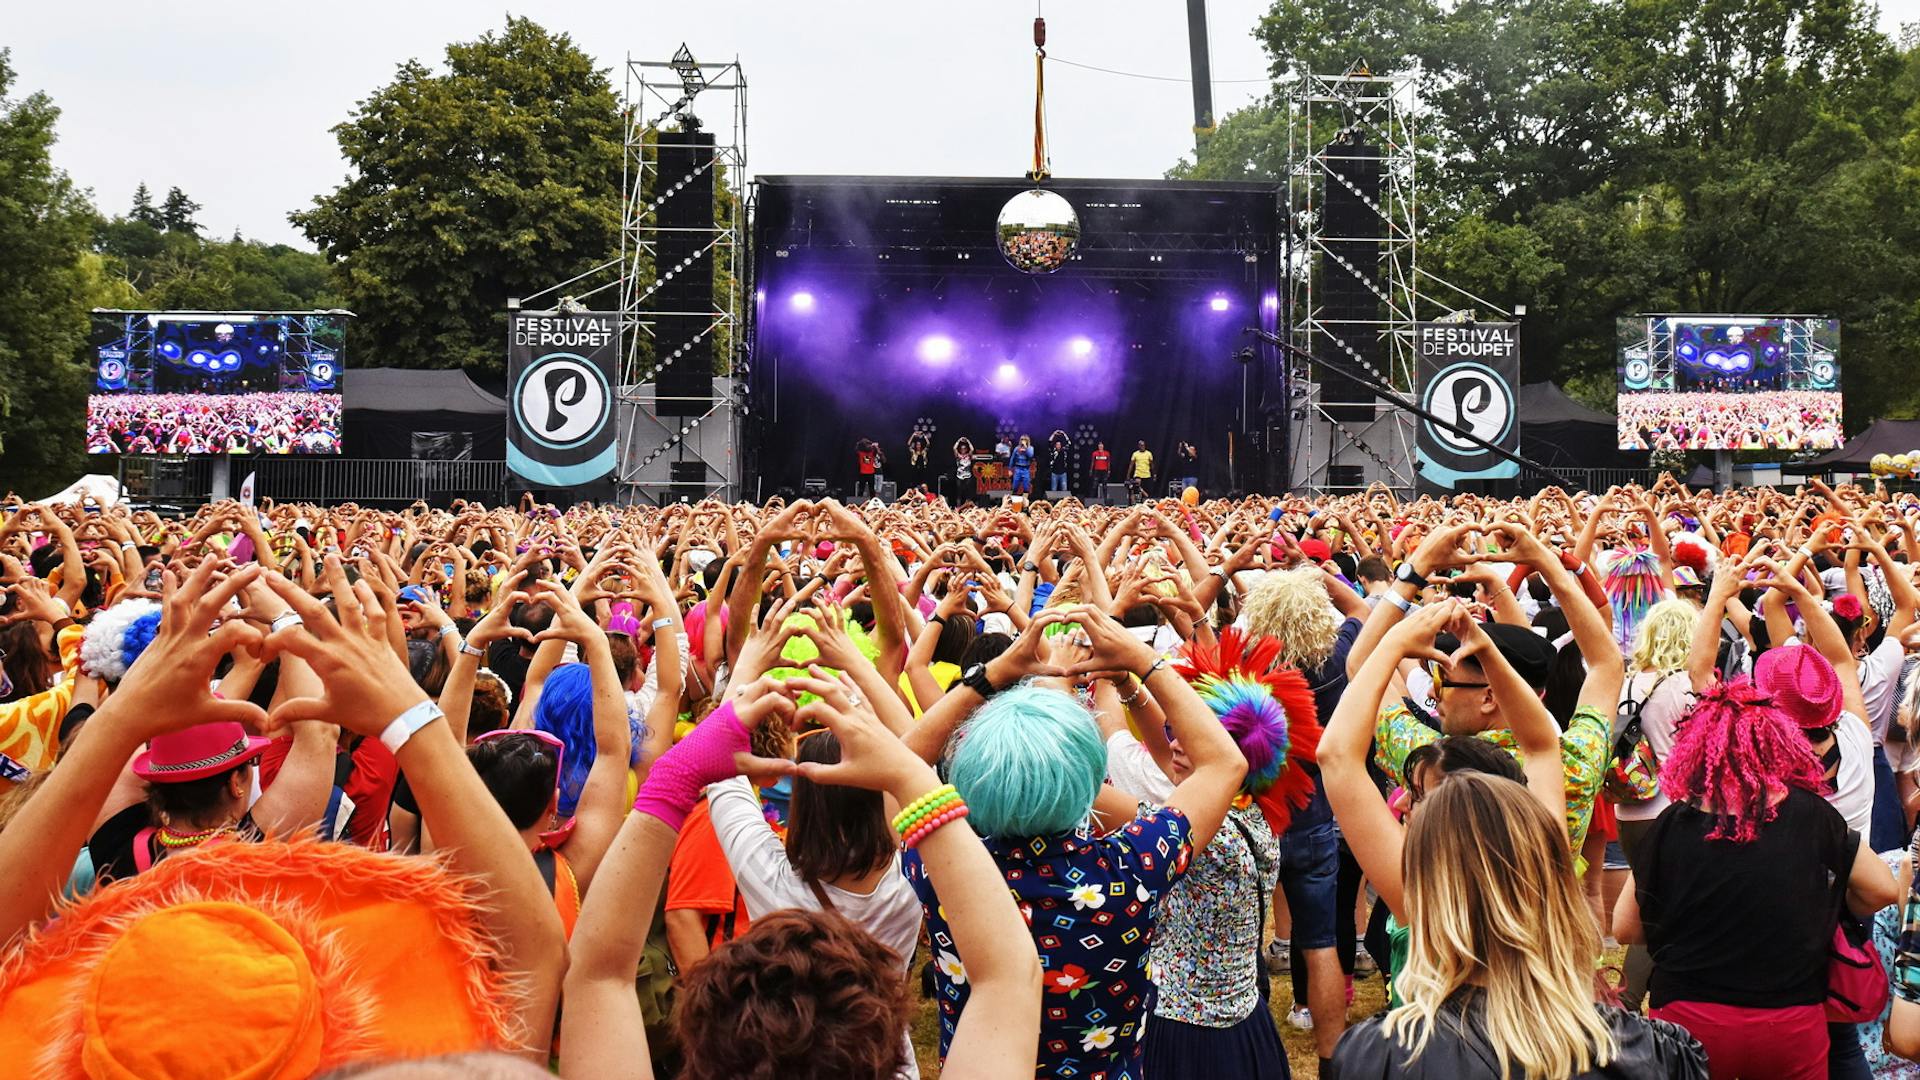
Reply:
x=1468 y=374
x=882 y=306
x=561 y=374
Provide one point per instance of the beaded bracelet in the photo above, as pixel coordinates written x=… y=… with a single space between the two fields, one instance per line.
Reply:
x=923 y=807
x=948 y=813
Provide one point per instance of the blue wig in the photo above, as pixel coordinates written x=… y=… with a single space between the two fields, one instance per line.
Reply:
x=565 y=710
x=1029 y=763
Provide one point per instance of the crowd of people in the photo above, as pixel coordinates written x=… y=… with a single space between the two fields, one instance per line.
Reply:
x=279 y=422
x=1705 y=420
x=1616 y=784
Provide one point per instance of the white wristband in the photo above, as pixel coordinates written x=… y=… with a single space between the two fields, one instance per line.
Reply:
x=661 y=623
x=1405 y=605
x=403 y=727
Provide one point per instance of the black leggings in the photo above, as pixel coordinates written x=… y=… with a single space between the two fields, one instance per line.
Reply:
x=1347 y=894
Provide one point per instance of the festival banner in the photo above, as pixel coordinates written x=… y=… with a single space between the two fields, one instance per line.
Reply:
x=1469 y=375
x=561 y=374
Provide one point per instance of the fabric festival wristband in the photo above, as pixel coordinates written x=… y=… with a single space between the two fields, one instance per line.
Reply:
x=903 y=821
x=661 y=623
x=953 y=812
x=403 y=727
x=704 y=757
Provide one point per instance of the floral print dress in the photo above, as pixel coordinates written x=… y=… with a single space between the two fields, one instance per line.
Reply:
x=1090 y=902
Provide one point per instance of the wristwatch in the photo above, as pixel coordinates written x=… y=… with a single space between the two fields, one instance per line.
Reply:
x=1411 y=576
x=976 y=680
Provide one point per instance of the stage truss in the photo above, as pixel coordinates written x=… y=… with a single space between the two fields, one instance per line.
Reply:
x=1325 y=452
x=660 y=95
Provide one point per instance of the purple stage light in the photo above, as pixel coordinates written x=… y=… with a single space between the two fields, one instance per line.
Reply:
x=1219 y=303
x=801 y=301
x=1271 y=302
x=1007 y=374
x=936 y=348
x=1081 y=347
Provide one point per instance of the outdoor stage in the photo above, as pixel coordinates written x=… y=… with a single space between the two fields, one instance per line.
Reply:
x=883 y=304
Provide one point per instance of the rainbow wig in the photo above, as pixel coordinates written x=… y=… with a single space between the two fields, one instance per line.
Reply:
x=1270 y=713
x=1029 y=763
x=1733 y=753
x=1633 y=585
x=565 y=710
x=116 y=637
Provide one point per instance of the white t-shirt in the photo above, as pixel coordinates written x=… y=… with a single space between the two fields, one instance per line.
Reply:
x=1853 y=784
x=767 y=882
x=1133 y=770
x=1879 y=674
x=1665 y=702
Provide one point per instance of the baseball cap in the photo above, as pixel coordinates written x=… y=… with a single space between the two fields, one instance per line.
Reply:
x=1316 y=549
x=1530 y=655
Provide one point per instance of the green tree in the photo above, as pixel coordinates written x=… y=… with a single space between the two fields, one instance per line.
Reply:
x=176 y=213
x=495 y=178
x=143 y=210
x=44 y=228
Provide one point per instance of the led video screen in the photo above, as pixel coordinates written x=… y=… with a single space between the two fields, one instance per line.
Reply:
x=216 y=383
x=1729 y=382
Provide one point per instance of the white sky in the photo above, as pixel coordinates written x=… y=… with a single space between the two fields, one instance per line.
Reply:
x=232 y=101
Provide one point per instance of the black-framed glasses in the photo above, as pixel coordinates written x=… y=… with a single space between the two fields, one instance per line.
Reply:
x=1440 y=682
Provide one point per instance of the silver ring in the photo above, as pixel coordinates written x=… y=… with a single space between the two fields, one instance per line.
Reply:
x=855 y=700
x=291 y=618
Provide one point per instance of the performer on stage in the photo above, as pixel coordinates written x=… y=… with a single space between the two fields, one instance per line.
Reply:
x=1057 y=461
x=1186 y=459
x=866 y=454
x=1139 y=473
x=1102 y=468
x=964 y=489
x=917 y=447
x=1022 y=461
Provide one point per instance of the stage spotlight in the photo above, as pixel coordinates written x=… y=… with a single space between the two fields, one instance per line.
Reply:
x=936 y=348
x=1271 y=302
x=1081 y=347
x=200 y=358
x=230 y=360
x=801 y=301
x=1219 y=303
x=1007 y=374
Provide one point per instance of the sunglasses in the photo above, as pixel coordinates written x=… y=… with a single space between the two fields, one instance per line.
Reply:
x=551 y=741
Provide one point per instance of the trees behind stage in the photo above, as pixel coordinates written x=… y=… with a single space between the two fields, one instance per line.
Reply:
x=1593 y=158
x=495 y=178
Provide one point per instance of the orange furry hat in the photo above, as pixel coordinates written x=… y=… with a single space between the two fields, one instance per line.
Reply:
x=258 y=961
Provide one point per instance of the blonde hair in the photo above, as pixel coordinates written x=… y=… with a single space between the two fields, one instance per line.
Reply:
x=1494 y=904
x=1292 y=605
x=1665 y=636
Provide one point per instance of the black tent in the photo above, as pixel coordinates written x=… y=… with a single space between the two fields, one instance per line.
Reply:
x=1559 y=432
x=421 y=415
x=1881 y=437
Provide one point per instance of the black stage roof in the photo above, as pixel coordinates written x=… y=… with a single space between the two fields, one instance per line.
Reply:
x=890 y=225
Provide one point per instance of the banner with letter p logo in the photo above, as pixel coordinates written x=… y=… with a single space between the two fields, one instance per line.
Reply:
x=1469 y=376
x=562 y=375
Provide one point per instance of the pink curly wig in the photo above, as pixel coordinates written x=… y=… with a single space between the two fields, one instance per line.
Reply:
x=1732 y=754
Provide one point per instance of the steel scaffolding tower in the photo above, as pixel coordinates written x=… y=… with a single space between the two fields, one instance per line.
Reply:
x=1337 y=126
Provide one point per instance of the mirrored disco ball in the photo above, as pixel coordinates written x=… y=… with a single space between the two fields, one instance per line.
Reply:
x=1038 y=231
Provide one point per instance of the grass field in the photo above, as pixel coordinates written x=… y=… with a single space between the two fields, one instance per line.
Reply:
x=1369 y=994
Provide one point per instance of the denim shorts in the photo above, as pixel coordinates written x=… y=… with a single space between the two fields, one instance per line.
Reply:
x=1310 y=878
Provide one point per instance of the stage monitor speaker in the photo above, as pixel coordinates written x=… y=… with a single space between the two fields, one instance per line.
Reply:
x=682 y=307
x=689 y=479
x=1351 y=225
x=886 y=490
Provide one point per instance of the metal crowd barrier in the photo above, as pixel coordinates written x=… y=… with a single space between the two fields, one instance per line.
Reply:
x=187 y=481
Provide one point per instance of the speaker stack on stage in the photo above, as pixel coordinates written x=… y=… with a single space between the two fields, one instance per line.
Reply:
x=1349 y=298
x=684 y=316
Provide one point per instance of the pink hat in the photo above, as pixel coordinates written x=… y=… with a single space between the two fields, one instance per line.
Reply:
x=1803 y=685
x=202 y=750
x=823 y=549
